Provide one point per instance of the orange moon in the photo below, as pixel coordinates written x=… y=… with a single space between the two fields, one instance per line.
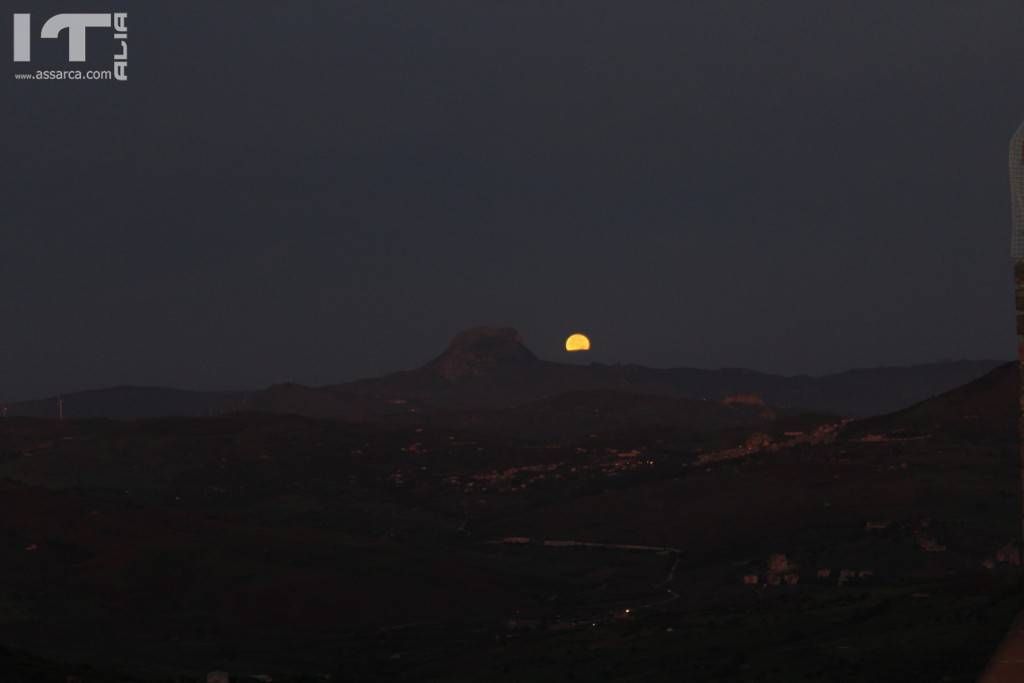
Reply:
x=577 y=342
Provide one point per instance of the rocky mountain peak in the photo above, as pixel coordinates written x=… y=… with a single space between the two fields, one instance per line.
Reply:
x=480 y=350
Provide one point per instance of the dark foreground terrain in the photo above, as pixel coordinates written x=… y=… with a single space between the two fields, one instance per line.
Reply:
x=552 y=541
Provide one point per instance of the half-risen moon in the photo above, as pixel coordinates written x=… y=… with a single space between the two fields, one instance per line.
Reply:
x=577 y=342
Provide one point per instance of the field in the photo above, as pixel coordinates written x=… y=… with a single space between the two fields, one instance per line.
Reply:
x=807 y=549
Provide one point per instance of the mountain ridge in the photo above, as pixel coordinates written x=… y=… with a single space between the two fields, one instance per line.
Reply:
x=491 y=368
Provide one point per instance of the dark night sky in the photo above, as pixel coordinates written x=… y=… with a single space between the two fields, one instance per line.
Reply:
x=316 y=191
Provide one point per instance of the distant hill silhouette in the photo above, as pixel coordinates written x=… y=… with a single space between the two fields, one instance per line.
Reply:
x=985 y=409
x=491 y=368
x=128 y=402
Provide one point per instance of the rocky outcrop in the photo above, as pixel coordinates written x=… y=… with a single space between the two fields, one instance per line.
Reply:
x=481 y=350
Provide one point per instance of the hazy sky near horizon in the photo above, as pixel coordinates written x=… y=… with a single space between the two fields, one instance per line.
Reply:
x=317 y=191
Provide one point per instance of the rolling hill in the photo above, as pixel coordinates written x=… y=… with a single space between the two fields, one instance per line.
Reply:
x=491 y=368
